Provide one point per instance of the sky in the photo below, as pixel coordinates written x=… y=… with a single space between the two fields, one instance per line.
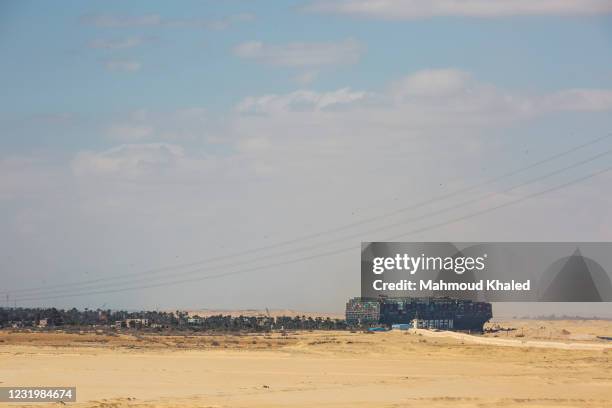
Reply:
x=234 y=154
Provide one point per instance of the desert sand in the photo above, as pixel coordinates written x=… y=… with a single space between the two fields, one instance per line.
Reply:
x=528 y=368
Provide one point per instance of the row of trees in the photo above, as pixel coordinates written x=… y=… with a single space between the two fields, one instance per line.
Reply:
x=73 y=317
x=254 y=324
x=32 y=317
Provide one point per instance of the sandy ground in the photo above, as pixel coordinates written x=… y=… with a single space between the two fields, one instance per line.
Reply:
x=316 y=369
x=572 y=330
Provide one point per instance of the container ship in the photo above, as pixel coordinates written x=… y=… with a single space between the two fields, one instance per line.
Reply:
x=431 y=312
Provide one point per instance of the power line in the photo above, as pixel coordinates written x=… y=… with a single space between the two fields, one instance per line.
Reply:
x=328 y=253
x=346 y=237
x=434 y=199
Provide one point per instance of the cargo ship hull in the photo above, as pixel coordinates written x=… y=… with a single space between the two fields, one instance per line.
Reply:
x=438 y=313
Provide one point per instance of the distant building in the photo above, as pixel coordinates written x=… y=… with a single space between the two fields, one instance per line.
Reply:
x=132 y=323
x=195 y=321
x=136 y=323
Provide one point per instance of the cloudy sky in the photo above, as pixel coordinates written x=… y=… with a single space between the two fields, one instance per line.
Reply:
x=234 y=154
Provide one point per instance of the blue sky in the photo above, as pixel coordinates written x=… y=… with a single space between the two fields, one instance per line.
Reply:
x=139 y=132
x=52 y=67
x=48 y=66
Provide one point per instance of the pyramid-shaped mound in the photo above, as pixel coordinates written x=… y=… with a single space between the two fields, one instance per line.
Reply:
x=575 y=279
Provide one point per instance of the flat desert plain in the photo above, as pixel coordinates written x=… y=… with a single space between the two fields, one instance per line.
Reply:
x=539 y=364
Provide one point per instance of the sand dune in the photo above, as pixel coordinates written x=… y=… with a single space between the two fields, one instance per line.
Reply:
x=517 y=342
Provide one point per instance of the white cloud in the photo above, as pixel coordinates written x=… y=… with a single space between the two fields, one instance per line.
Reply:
x=446 y=97
x=226 y=22
x=221 y=23
x=436 y=97
x=579 y=100
x=425 y=103
x=191 y=123
x=117 y=44
x=306 y=78
x=123 y=65
x=22 y=176
x=302 y=54
x=299 y=101
x=415 y=9
x=433 y=82
x=129 y=133
x=130 y=160
x=123 y=21
x=114 y=21
x=137 y=162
